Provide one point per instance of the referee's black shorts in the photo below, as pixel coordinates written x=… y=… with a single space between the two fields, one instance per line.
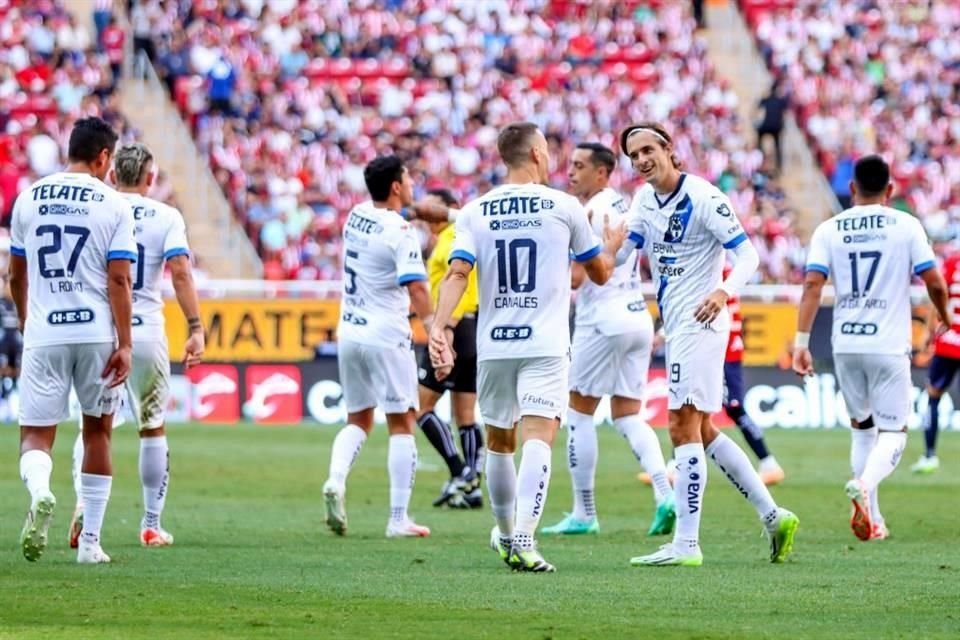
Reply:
x=463 y=378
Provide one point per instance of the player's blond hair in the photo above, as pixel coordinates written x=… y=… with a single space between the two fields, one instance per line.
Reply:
x=130 y=162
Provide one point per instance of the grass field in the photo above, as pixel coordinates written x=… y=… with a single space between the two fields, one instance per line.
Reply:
x=253 y=559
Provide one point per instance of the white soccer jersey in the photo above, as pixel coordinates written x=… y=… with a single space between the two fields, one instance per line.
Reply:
x=519 y=237
x=160 y=234
x=611 y=308
x=871 y=253
x=381 y=254
x=684 y=235
x=68 y=226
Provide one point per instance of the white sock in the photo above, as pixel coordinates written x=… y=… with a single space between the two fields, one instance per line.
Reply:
x=690 y=483
x=154 y=478
x=501 y=477
x=346 y=446
x=862 y=442
x=875 y=516
x=646 y=449
x=735 y=464
x=77 y=466
x=533 y=481
x=402 y=465
x=95 y=490
x=582 y=462
x=883 y=458
x=35 y=469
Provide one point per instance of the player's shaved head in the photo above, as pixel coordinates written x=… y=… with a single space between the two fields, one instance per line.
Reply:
x=515 y=142
x=871 y=175
x=600 y=155
x=131 y=164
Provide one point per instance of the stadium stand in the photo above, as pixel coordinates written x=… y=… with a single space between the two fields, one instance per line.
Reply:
x=878 y=76
x=290 y=100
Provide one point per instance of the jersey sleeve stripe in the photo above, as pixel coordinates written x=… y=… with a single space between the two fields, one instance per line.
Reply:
x=736 y=242
x=638 y=239
x=587 y=255
x=923 y=266
x=18 y=251
x=460 y=254
x=176 y=251
x=122 y=255
x=407 y=278
x=819 y=268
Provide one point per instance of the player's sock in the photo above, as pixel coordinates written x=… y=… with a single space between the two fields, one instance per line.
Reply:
x=346 y=447
x=646 y=448
x=502 y=490
x=752 y=434
x=471 y=441
x=933 y=426
x=862 y=442
x=875 y=516
x=402 y=464
x=883 y=458
x=533 y=481
x=689 y=484
x=582 y=462
x=95 y=490
x=439 y=434
x=154 y=476
x=77 y=465
x=35 y=469
x=735 y=465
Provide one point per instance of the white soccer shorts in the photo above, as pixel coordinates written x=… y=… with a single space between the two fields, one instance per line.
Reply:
x=875 y=384
x=611 y=365
x=48 y=372
x=695 y=370
x=148 y=386
x=510 y=389
x=378 y=377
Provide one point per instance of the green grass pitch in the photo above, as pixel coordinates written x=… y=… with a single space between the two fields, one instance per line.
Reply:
x=253 y=559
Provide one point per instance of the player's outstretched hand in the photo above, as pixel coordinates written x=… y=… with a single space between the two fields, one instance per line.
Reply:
x=193 y=350
x=118 y=367
x=441 y=353
x=802 y=361
x=710 y=308
x=613 y=237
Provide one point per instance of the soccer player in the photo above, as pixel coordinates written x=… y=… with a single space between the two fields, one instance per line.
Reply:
x=943 y=367
x=519 y=236
x=871 y=252
x=612 y=341
x=383 y=275
x=685 y=224
x=161 y=239
x=462 y=490
x=72 y=245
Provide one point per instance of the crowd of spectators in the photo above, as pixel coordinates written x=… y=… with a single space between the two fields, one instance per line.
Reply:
x=875 y=76
x=290 y=99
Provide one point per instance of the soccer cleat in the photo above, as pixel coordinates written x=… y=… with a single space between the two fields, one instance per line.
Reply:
x=529 y=560
x=406 y=529
x=452 y=493
x=926 y=465
x=771 y=473
x=155 y=537
x=879 y=531
x=336 y=512
x=645 y=478
x=781 y=534
x=33 y=537
x=474 y=499
x=669 y=556
x=664 y=518
x=89 y=553
x=860 y=521
x=76 y=526
x=501 y=545
x=571 y=526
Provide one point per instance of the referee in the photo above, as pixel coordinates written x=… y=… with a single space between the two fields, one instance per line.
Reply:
x=462 y=490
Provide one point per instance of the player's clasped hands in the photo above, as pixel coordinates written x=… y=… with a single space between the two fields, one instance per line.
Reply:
x=710 y=308
x=442 y=355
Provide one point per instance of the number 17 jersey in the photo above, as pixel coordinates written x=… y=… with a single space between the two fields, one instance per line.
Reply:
x=520 y=238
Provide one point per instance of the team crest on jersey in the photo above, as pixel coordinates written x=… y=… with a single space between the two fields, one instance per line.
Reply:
x=677 y=225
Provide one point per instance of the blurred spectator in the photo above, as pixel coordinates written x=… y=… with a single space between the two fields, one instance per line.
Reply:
x=773 y=108
x=112 y=39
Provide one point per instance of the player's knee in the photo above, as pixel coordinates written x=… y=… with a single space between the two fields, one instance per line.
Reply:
x=685 y=425
x=583 y=404
x=866 y=423
x=501 y=440
x=362 y=419
x=156 y=432
x=401 y=423
x=621 y=407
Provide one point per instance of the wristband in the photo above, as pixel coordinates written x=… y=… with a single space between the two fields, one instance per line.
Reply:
x=194 y=324
x=802 y=340
x=452 y=214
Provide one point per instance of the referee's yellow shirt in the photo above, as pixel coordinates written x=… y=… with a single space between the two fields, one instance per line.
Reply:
x=437 y=267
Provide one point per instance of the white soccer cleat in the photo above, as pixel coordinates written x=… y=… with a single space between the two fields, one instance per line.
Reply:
x=406 y=529
x=91 y=554
x=333 y=502
x=155 y=537
x=926 y=465
x=669 y=555
x=33 y=537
